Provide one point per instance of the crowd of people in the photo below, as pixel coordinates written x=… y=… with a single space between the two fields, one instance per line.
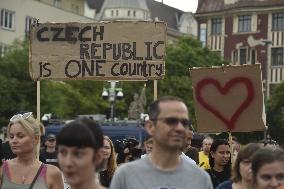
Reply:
x=81 y=157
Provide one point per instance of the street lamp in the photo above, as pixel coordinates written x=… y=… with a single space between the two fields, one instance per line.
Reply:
x=112 y=93
x=267 y=42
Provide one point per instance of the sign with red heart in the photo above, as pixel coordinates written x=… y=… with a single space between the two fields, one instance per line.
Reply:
x=228 y=98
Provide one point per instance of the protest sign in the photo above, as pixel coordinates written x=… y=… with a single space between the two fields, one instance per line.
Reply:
x=228 y=98
x=118 y=50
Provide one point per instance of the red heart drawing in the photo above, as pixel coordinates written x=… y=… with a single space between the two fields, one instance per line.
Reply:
x=230 y=123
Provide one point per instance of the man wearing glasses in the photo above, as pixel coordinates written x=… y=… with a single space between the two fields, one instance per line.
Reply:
x=163 y=168
x=49 y=154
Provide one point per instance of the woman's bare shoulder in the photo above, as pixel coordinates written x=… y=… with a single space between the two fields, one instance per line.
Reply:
x=52 y=170
x=54 y=177
x=101 y=187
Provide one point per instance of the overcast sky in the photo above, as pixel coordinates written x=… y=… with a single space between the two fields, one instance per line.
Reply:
x=184 y=5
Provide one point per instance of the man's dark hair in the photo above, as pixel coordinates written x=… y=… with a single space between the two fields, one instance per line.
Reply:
x=154 y=109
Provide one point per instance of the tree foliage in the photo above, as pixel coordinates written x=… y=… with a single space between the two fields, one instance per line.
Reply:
x=275 y=113
x=186 y=53
x=70 y=98
x=17 y=92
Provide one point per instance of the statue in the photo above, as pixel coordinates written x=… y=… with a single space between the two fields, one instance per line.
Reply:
x=137 y=105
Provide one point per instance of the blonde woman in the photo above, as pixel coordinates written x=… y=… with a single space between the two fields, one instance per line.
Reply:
x=111 y=165
x=26 y=171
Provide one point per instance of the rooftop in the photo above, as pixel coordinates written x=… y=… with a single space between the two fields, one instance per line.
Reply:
x=210 y=6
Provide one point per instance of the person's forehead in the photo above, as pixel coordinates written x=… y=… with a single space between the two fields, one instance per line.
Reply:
x=172 y=107
x=207 y=141
x=74 y=148
x=222 y=147
x=275 y=166
x=106 y=142
x=17 y=127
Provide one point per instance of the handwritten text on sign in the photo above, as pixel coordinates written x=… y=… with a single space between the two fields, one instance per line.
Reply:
x=114 y=50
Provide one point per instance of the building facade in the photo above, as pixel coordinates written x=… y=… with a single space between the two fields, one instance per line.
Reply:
x=179 y=23
x=17 y=15
x=245 y=32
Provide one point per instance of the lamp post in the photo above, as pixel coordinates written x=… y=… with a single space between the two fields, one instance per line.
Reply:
x=267 y=43
x=112 y=93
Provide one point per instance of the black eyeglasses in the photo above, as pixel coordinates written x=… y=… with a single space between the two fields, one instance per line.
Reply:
x=173 y=121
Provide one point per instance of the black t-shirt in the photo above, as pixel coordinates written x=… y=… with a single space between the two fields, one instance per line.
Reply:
x=104 y=179
x=49 y=158
x=218 y=177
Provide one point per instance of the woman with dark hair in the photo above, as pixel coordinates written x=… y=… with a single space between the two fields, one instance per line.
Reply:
x=78 y=153
x=220 y=162
x=268 y=168
x=111 y=165
x=241 y=174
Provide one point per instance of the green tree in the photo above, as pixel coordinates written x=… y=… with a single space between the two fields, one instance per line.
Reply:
x=17 y=91
x=275 y=114
x=70 y=98
x=185 y=54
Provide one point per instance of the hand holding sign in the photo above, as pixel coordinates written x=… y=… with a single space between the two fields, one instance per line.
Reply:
x=228 y=101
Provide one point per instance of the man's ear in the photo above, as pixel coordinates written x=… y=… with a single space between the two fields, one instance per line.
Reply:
x=150 y=127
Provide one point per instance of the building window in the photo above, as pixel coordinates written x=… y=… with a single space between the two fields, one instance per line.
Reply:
x=244 y=23
x=29 y=21
x=117 y=13
x=253 y=56
x=218 y=53
x=216 y=26
x=188 y=29
x=235 y=56
x=243 y=56
x=57 y=3
x=203 y=36
x=112 y=13
x=7 y=19
x=75 y=8
x=128 y=13
x=3 y=49
x=134 y=13
x=278 y=21
x=277 y=56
